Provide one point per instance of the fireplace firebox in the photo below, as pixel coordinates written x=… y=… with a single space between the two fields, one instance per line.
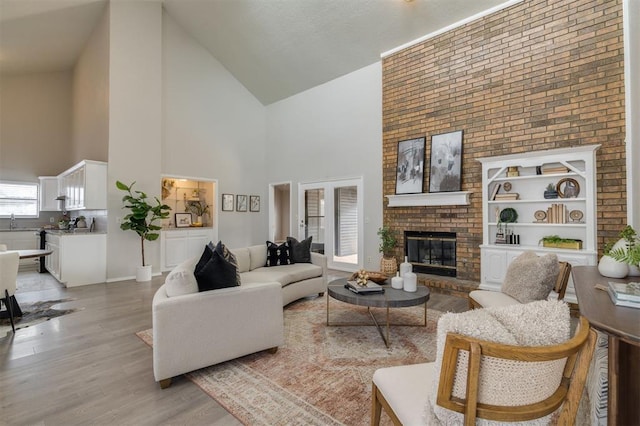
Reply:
x=431 y=252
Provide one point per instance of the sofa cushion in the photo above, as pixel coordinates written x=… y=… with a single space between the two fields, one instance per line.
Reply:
x=285 y=274
x=278 y=254
x=300 y=250
x=220 y=271
x=258 y=255
x=243 y=258
x=531 y=277
x=181 y=279
x=533 y=324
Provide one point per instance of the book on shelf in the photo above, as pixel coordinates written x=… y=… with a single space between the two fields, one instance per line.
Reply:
x=371 y=287
x=507 y=196
x=625 y=291
x=621 y=302
x=557 y=213
x=496 y=188
x=555 y=170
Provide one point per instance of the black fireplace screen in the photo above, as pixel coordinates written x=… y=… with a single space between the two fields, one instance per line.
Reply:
x=431 y=252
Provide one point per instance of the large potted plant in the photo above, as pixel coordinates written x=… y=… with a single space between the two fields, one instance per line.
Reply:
x=388 y=263
x=141 y=220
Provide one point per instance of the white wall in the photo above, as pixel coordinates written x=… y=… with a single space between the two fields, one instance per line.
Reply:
x=213 y=128
x=35 y=125
x=332 y=131
x=135 y=124
x=90 y=129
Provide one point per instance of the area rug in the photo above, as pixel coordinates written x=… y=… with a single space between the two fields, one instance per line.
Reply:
x=35 y=313
x=321 y=375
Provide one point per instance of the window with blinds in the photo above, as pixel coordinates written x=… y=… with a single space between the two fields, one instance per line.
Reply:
x=19 y=199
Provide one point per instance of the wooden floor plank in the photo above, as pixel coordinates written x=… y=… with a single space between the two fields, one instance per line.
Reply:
x=88 y=367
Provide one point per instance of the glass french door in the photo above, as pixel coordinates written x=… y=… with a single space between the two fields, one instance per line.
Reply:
x=331 y=212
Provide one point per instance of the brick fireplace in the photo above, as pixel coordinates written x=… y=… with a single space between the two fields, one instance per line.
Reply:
x=536 y=75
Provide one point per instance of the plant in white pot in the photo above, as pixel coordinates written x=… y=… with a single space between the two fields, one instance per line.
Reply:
x=141 y=220
x=627 y=250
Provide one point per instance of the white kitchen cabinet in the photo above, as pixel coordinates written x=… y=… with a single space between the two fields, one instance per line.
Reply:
x=77 y=259
x=85 y=186
x=22 y=240
x=49 y=191
x=178 y=245
x=521 y=173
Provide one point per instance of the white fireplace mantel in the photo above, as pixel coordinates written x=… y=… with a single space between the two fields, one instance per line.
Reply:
x=459 y=198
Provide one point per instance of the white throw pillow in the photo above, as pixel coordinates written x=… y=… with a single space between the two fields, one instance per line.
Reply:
x=181 y=279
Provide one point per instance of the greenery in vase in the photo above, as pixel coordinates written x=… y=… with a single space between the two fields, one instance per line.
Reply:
x=630 y=253
x=387 y=241
x=142 y=215
x=198 y=208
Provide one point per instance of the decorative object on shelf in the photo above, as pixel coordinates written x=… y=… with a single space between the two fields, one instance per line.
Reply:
x=540 y=216
x=550 y=192
x=508 y=215
x=227 y=202
x=627 y=250
x=254 y=203
x=410 y=166
x=507 y=186
x=241 y=203
x=141 y=221
x=571 y=188
x=513 y=171
x=496 y=188
x=199 y=209
x=576 y=216
x=388 y=263
x=397 y=281
x=410 y=283
x=405 y=266
x=501 y=234
x=558 y=242
x=446 y=162
x=183 y=220
x=555 y=170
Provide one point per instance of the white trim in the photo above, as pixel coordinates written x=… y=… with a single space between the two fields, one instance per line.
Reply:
x=272 y=208
x=451 y=27
x=632 y=142
x=458 y=198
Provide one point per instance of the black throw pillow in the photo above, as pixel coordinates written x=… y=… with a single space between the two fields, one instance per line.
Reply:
x=300 y=250
x=220 y=271
x=278 y=254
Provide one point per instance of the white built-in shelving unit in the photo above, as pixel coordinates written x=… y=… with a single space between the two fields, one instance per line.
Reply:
x=530 y=184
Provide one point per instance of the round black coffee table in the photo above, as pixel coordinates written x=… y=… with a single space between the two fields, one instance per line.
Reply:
x=391 y=298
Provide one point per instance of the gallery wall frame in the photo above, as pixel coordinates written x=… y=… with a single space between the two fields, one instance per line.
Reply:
x=445 y=169
x=241 y=203
x=410 y=166
x=254 y=203
x=227 y=202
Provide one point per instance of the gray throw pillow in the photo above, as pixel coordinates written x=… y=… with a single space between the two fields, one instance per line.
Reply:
x=300 y=250
x=531 y=277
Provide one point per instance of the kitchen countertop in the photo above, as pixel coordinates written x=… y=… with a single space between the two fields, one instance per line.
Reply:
x=67 y=232
x=20 y=229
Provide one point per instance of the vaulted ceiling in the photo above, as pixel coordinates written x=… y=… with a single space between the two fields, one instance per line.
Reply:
x=275 y=48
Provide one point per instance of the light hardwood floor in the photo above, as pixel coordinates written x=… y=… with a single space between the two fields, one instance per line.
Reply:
x=89 y=367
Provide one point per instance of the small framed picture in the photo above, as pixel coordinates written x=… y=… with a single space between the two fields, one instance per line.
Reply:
x=183 y=220
x=227 y=202
x=254 y=203
x=241 y=203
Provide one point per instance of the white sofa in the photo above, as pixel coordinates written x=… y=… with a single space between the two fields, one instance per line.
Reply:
x=193 y=330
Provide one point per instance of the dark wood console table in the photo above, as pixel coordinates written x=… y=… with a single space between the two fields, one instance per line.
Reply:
x=622 y=326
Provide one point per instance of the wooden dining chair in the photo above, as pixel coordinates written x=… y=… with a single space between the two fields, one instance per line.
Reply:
x=9 y=262
x=466 y=387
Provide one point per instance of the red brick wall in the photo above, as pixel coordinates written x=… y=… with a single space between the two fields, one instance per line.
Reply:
x=537 y=75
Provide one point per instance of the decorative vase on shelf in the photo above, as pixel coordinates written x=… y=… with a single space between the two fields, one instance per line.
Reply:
x=405 y=267
x=611 y=268
x=410 y=282
x=397 y=281
x=388 y=265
